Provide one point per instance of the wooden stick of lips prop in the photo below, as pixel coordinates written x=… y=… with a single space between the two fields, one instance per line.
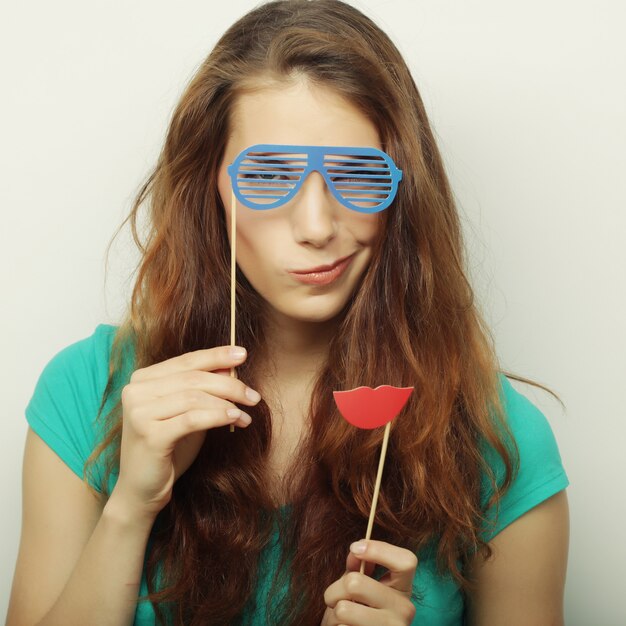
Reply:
x=369 y=408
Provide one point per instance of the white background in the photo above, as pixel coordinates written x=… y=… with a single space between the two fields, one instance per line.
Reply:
x=527 y=101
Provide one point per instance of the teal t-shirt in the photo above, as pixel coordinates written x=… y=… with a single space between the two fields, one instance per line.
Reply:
x=68 y=393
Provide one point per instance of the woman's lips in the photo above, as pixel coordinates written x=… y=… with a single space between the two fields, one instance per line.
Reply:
x=323 y=278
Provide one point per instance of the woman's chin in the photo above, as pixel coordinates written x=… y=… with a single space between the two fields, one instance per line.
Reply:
x=311 y=313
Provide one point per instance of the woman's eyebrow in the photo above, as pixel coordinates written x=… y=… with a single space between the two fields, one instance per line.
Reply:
x=334 y=160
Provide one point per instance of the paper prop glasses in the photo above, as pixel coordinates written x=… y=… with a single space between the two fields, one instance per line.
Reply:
x=266 y=176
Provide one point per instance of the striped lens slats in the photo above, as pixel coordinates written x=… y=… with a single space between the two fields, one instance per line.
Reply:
x=266 y=179
x=364 y=181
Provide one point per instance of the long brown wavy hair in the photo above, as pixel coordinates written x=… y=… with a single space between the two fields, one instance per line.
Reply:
x=209 y=537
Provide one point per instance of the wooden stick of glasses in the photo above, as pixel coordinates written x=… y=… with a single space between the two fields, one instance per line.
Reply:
x=233 y=284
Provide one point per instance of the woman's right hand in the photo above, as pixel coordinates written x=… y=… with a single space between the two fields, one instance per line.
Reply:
x=167 y=409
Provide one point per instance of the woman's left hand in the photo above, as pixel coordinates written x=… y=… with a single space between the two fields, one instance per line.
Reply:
x=358 y=600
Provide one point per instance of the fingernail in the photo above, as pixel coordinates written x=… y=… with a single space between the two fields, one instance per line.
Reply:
x=246 y=418
x=358 y=547
x=253 y=395
x=237 y=352
x=233 y=413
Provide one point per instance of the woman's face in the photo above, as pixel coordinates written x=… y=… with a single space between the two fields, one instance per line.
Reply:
x=313 y=228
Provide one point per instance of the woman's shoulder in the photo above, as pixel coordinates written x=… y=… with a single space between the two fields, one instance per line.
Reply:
x=540 y=473
x=66 y=398
x=84 y=362
x=529 y=425
x=94 y=348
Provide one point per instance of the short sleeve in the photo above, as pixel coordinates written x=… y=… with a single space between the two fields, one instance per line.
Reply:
x=541 y=473
x=67 y=396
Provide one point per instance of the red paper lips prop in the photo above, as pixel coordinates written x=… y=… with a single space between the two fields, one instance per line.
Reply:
x=365 y=407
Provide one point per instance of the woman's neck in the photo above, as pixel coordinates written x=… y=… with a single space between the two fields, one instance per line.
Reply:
x=295 y=350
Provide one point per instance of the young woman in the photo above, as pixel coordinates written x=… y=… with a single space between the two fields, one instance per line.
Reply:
x=257 y=525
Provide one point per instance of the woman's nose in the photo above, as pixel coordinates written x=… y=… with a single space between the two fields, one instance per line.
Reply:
x=313 y=214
